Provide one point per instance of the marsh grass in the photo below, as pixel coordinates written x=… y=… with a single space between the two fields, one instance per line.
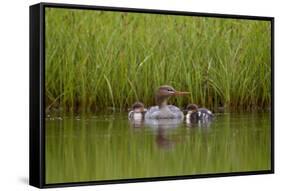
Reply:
x=98 y=60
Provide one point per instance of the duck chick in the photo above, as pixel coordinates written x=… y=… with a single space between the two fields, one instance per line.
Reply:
x=195 y=114
x=137 y=111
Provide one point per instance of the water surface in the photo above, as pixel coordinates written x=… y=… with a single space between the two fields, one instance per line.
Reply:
x=93 y=147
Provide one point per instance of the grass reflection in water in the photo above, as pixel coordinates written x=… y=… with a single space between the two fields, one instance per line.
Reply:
x=106 y=147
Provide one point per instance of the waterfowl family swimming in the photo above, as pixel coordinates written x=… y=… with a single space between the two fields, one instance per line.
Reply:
x=137 y=111
x=195 y=114
x=169 y=112
x=163 y=110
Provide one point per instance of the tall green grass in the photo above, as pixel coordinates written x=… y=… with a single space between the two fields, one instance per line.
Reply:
x=97 y=60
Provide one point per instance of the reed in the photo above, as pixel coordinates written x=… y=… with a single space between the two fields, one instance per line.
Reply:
x=98 y=60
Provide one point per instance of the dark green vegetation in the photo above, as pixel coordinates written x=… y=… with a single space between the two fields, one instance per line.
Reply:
x=98 y=60
x=89 y=148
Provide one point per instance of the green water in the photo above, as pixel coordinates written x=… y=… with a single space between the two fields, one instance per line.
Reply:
x=101 y=147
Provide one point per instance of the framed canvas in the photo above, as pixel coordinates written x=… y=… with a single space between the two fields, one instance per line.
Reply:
x=127 y=95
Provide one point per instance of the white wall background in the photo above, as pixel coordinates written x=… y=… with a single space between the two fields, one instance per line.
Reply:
x=14 y=67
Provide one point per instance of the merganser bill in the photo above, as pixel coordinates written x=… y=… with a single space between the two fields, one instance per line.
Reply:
x=163 y=110
x=137 y=111
x=195 y=114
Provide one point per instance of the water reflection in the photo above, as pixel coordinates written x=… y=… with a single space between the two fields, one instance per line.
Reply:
x=161 y=129
x=163 y=123
x=101 y=147
x=199 y=124
x=162 y=140
x=136 y=123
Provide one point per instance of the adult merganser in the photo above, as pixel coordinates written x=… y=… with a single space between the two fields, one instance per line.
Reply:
x=195 y=114
x=137 y=111
x=162 y=110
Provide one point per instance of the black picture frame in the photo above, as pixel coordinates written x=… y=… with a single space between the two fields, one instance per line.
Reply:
x=37 y=92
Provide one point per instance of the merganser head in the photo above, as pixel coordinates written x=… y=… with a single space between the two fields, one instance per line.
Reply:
x=164 y=93
x=191 y=108
x=138 y=107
